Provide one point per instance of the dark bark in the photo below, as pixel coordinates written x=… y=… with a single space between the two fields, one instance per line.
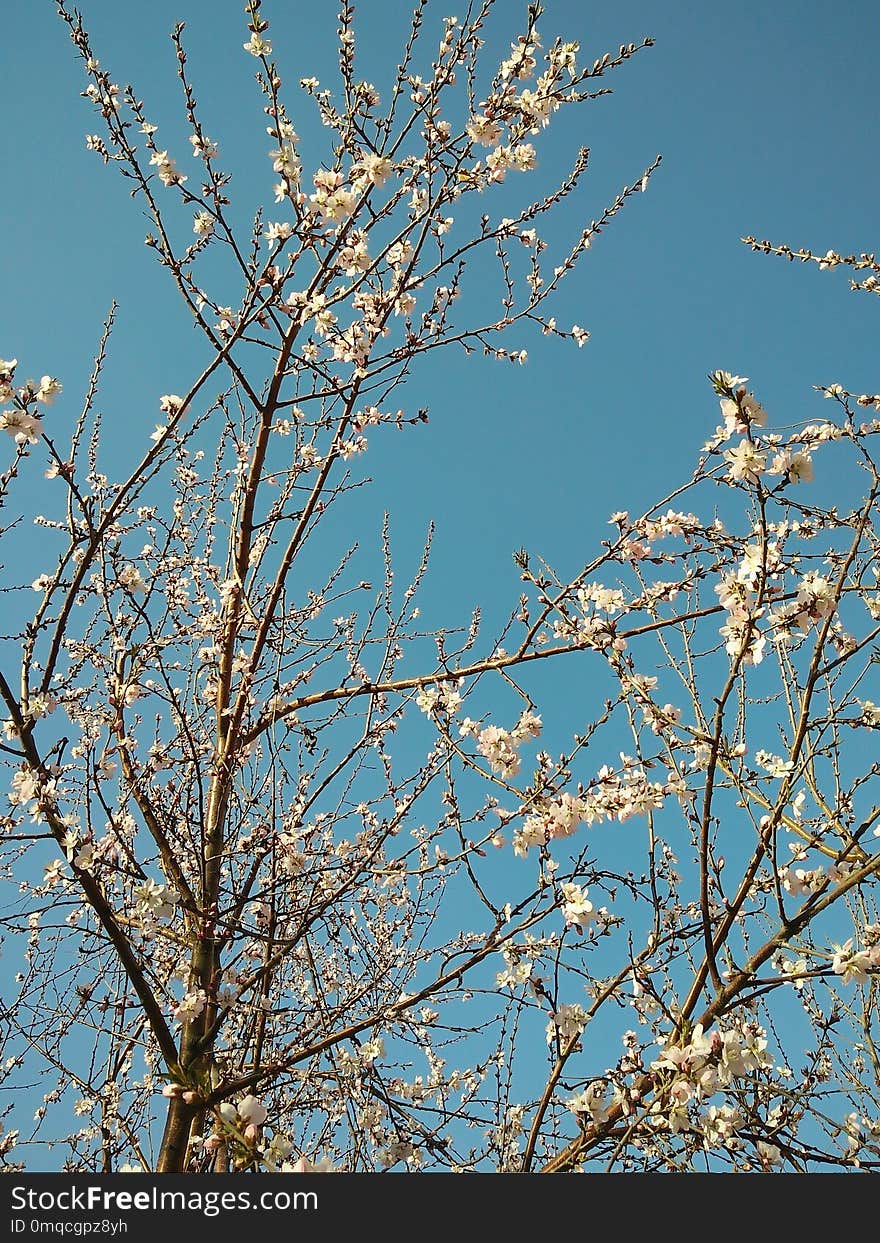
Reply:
x=175 y=1140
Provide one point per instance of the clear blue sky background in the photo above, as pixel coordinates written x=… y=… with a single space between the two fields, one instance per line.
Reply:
x=765 y=115
x=766 y=118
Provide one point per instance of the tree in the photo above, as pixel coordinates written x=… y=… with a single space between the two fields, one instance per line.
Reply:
x=292 y=883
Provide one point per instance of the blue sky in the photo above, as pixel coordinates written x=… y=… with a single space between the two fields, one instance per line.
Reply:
x=764 y=116
x=762 y=113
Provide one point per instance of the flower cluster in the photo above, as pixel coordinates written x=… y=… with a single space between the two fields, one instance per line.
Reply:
x=166 y=169
x=566 y=1022
x=155 y=900
x=857 y=966
x=498 y=745
x=611 y=796
x=694 y=1071
x=248 y=1116
x=577 y=910
x=332 y=200
x=191 y=1006
x=816 y=599
x=23 y=420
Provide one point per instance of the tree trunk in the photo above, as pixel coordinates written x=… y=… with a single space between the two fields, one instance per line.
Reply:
x=172 y=1154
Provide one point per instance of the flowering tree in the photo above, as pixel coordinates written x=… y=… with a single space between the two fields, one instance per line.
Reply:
x=290 y=882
